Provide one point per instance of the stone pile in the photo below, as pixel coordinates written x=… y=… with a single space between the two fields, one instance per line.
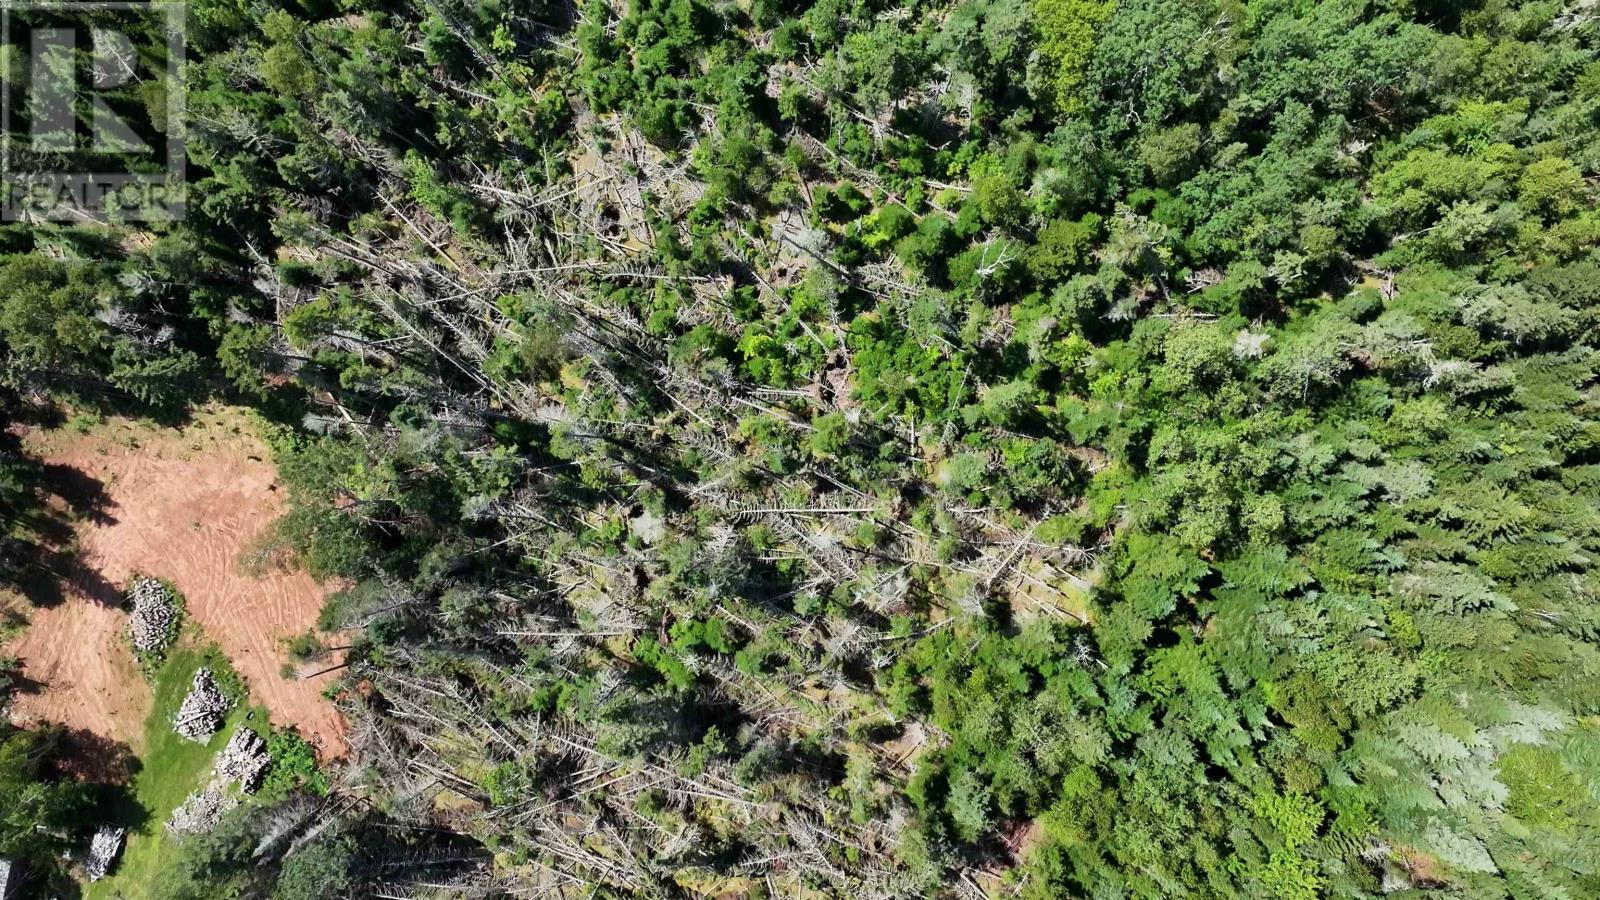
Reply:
x=153 y=619
x=203 y=710
x=104 y=848
x=244 y=760
x=201 y=812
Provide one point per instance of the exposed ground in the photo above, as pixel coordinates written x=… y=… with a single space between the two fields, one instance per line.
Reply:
x=185 y=505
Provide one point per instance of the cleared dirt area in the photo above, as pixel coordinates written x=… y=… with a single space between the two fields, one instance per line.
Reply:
x=185 y=505
x=77 y=672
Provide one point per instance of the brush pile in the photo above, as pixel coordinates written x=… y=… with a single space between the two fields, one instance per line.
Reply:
x=203 y=710
x=201 y=812
x=153 y=617
x=104 y=848
x=244 y=760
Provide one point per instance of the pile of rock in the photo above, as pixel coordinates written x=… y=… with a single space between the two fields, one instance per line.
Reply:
x=201 y=812
x=244 y=760
x=203 y=710
x=153 y=619
x=104 y=848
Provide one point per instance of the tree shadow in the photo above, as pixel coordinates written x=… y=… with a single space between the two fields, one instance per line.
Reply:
x=18 y=684
x=36 y=551
x=45 y=576
x=84 y=495
x=96 y=759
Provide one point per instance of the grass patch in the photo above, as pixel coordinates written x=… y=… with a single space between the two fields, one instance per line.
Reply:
x=170 y=769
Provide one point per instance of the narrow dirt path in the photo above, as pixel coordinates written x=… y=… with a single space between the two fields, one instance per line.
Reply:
x=185 y=505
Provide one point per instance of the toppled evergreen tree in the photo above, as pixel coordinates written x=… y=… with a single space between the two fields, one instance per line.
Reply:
x=1132 y=449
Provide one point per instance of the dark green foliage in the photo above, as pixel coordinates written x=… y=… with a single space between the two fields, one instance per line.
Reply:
x=307 y=854
x=1147 y=448
x=294 y=766
x=320 y=871
x=43 y=810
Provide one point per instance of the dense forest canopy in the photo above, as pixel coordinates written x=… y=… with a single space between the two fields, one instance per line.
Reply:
x=1041 y=448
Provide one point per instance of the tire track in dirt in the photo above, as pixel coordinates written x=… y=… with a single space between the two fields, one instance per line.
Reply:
x=184 y=505
x=77 y=672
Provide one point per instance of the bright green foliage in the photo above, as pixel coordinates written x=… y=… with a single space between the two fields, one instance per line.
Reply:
x=1067 y=31
x=294 y=765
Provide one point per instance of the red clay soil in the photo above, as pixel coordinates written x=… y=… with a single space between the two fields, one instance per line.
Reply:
x=187 y=506
x=79 y=673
